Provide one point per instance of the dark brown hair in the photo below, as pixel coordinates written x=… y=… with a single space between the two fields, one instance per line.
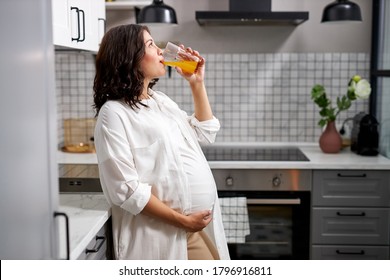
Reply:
x=118 y=72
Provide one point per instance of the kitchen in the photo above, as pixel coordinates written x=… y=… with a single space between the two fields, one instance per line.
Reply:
x=264 y=73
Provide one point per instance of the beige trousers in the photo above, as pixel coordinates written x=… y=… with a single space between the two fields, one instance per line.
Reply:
x=200 y=247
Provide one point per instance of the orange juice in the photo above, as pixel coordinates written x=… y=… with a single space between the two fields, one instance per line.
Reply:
x=185 y=65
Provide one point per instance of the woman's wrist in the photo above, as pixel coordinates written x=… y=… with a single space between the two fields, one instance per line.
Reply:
x=198 y=87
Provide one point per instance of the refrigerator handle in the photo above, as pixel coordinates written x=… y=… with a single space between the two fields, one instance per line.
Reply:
x=56 y=214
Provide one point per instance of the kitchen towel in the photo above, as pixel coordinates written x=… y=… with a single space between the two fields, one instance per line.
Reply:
x=235 y=218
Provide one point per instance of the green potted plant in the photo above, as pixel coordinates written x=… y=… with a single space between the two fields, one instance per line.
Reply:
x=358 y=88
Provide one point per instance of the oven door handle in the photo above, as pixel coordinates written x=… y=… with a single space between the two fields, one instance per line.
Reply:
x=279 y=201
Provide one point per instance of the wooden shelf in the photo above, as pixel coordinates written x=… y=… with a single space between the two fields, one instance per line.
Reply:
x=127 y=5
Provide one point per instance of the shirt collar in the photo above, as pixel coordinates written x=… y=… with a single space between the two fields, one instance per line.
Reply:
x=139 y=107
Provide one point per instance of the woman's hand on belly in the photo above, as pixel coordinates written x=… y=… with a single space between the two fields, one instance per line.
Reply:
x=197 y=221
x=190 y=223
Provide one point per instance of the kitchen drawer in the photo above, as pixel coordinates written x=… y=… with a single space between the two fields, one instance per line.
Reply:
x=96 y=249
x=367 y=188
x=324 y=252
x=364 y=226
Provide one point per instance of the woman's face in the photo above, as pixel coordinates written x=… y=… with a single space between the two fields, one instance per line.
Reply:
x=152 y=63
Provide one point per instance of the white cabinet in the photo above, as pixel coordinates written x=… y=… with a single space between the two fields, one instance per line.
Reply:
x=78 y=24
x=61 y=25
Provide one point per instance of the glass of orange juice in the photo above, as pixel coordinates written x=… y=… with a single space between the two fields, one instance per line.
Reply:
x=176 y=56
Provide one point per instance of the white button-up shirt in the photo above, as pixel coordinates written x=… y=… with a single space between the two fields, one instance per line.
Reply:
x=137 y=156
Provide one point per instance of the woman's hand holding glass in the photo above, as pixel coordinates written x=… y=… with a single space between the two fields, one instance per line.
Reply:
x=188 y=62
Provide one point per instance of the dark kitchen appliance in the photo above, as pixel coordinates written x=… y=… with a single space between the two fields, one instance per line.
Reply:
x=278 y=201
x=79 y=178
x=250 y=12
x=365 y=135
x=222 y=153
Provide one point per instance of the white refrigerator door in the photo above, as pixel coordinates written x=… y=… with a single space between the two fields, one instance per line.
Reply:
x=28 y=132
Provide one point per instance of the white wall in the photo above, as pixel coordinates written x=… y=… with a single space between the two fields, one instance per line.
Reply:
x=310 y=36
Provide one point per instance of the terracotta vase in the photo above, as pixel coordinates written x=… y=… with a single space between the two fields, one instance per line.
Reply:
x=330 y=139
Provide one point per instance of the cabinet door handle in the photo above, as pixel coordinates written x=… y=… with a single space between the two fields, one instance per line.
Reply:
x=79 y=33
x=282 y=201
x=56 y=214
x=78 y=24
x=104 y=24
x=352 y=176
x=102 y=30
x=82 y=12
x=362 y=214
x=98 y=245
x=339 y=252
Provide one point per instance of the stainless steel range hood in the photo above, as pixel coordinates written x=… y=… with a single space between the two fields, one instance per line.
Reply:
x=250 y=12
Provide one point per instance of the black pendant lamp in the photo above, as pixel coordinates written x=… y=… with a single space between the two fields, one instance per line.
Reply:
x=341 y=10
x=157 y=13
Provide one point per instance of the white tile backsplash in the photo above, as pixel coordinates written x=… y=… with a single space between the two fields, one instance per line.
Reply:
x=262 y=97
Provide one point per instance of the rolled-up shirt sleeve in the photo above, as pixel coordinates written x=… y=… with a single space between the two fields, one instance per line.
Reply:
x=130 y=194
x=206 y=131
x=118 y=175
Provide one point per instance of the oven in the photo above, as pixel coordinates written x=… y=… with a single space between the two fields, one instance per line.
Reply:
x=277 y=203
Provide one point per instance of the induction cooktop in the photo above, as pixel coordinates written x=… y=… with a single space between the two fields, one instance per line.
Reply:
x=221 y=153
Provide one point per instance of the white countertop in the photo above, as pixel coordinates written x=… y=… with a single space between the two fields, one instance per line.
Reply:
x=87 y=214
x=318 y=160
x=76 y=158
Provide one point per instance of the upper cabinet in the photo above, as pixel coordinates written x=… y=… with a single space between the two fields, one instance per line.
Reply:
x=78 y=24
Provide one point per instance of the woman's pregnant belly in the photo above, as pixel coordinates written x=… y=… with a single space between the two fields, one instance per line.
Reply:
x=201 y=183
x=202 y=196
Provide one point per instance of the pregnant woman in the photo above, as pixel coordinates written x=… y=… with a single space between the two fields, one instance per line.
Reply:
x=152 y=169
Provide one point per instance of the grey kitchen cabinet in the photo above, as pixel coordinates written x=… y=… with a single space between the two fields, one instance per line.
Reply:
x=329 y=252
x=350 y=216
